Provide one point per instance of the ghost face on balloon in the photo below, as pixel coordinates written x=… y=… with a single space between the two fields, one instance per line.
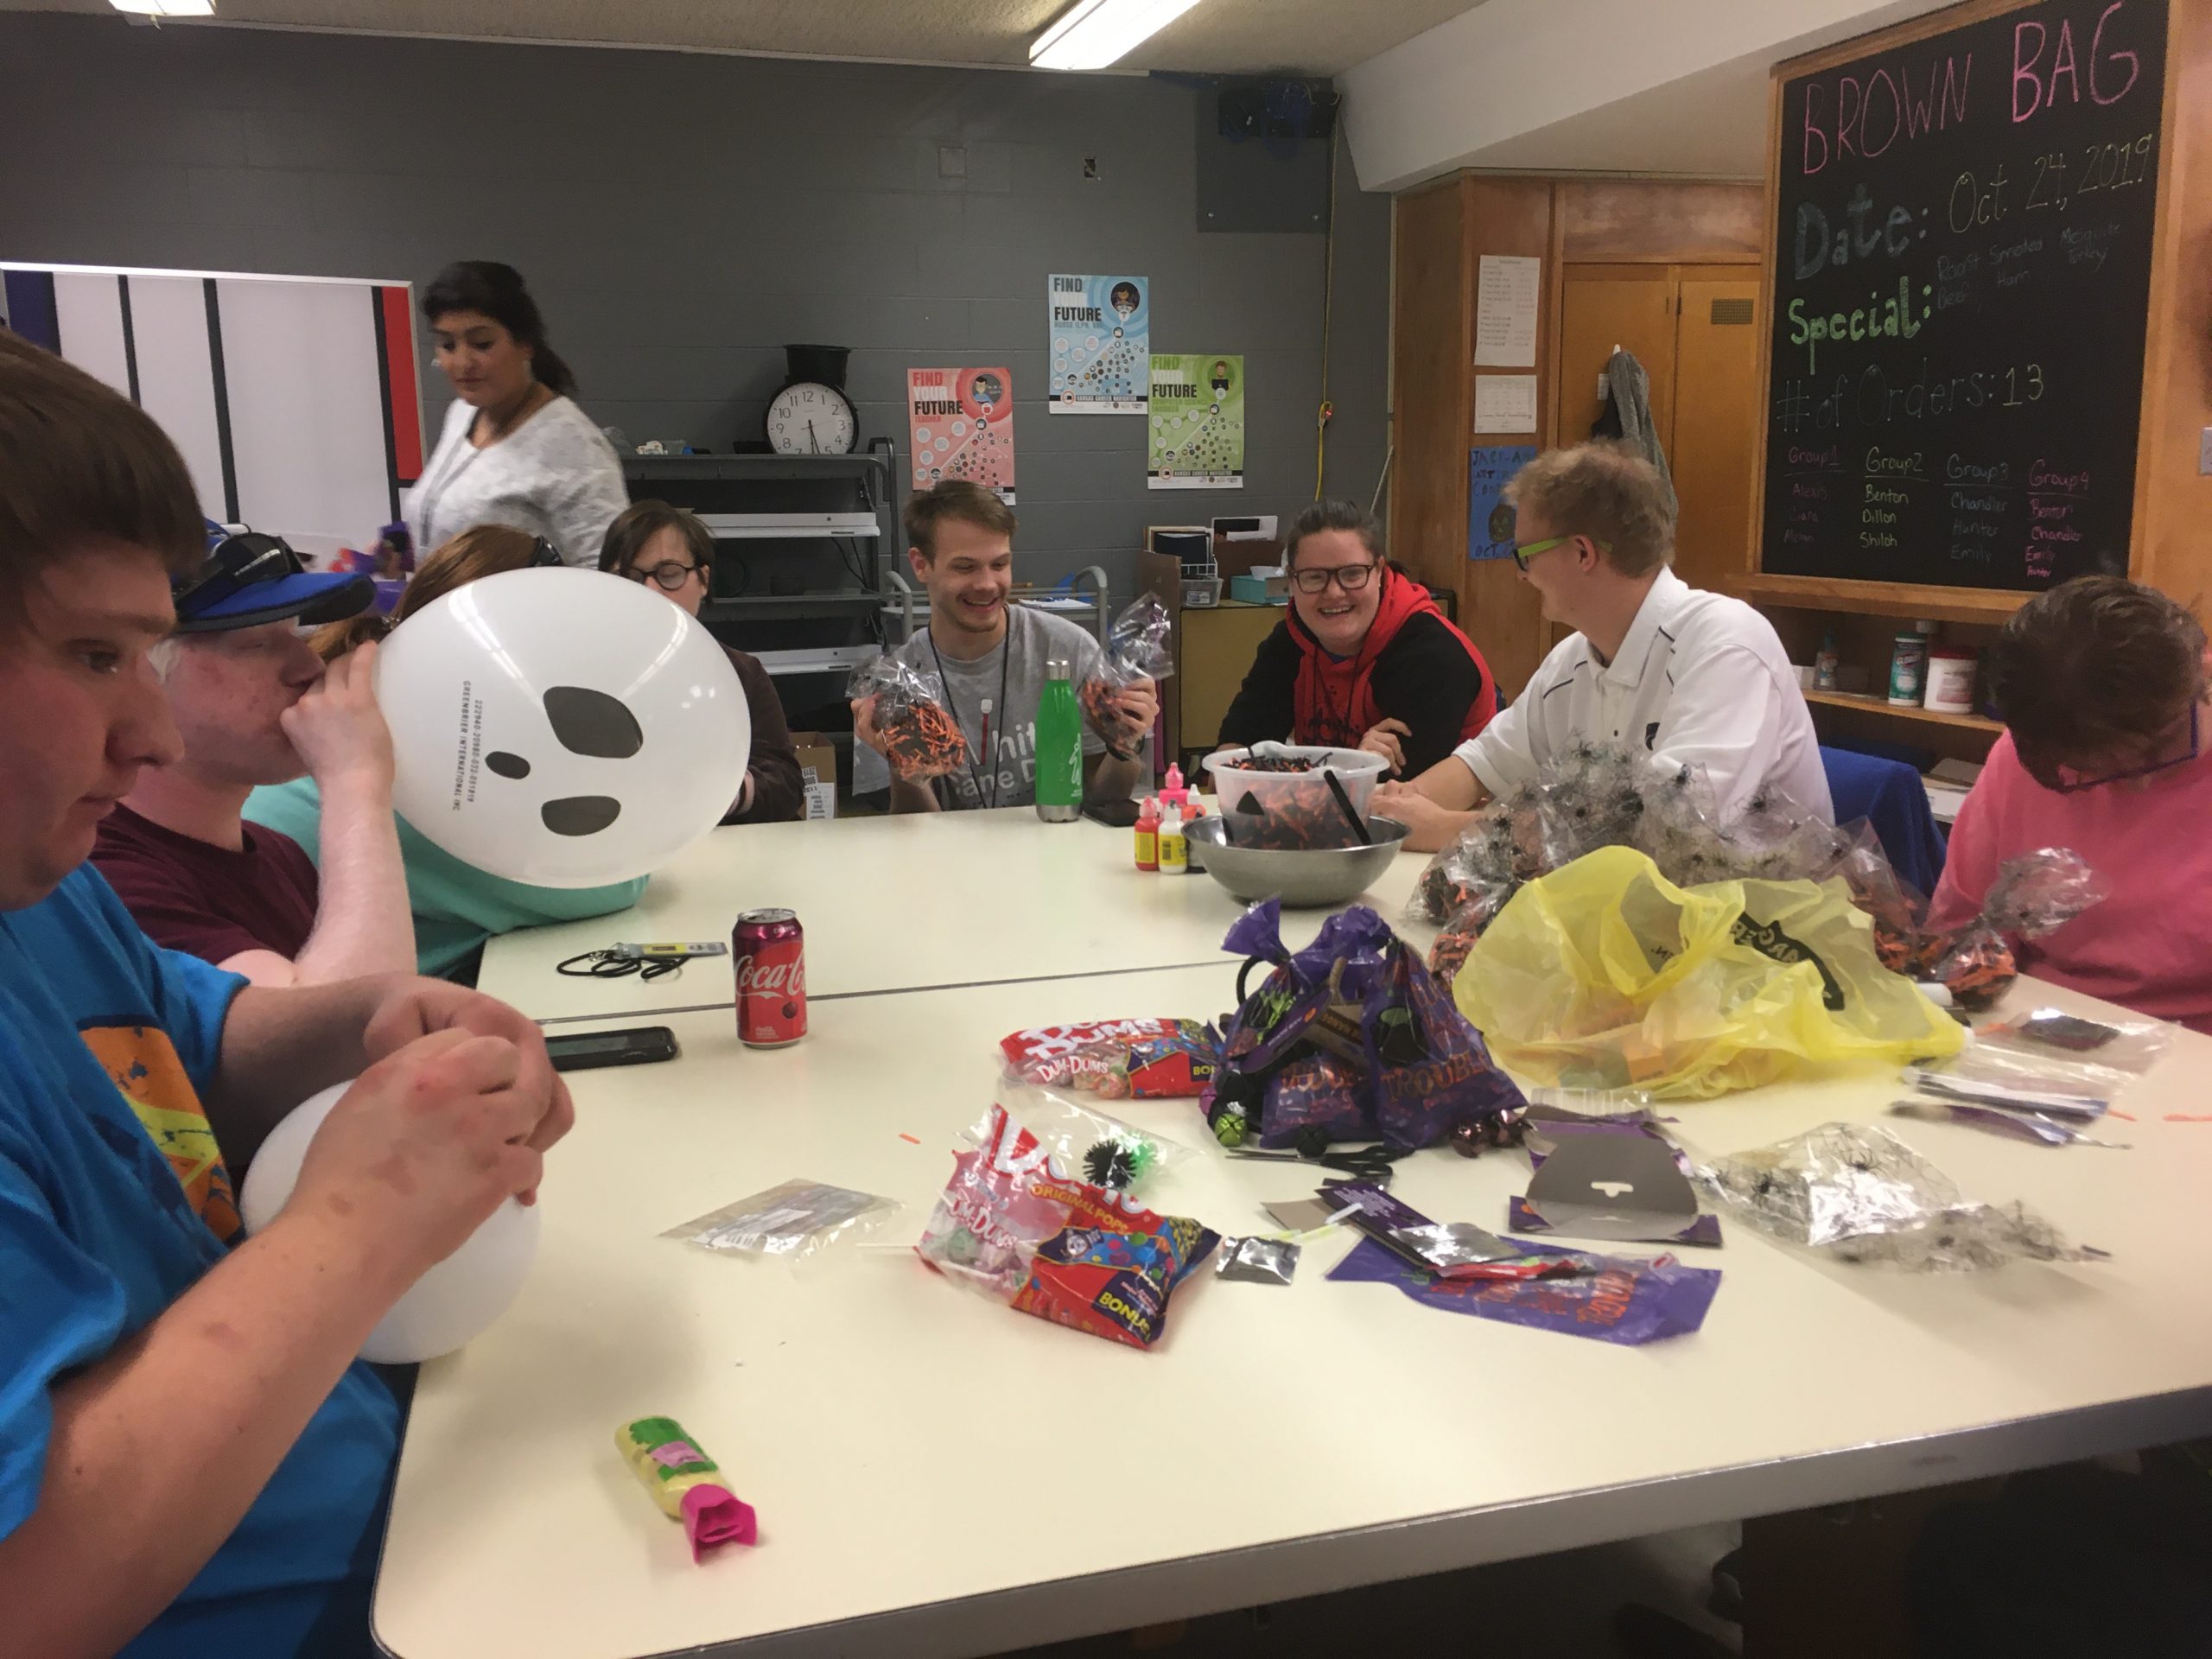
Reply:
x=566 y=728
x=584 y=723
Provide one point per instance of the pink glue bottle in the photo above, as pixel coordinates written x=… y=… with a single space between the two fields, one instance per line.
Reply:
x=1173 y=793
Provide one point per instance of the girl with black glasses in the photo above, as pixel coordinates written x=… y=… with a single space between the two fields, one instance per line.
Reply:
x=1364 y=660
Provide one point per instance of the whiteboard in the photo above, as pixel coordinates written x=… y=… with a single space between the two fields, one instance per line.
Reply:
x=293 y=399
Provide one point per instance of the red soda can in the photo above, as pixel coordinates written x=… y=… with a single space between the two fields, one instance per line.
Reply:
x=770 y=950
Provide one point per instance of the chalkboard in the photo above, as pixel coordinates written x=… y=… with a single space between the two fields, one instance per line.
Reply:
x=1963 y=268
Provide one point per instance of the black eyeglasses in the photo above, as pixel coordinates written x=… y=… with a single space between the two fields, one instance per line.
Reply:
x=1349 y=577
x=669 y=578
x=2061 y=784
x=543 y=556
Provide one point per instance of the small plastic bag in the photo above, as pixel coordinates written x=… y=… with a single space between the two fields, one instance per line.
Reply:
x=2050 y=1042
x=1593 y=798
x=1138 y=648
x=2040 y=892
x=1257 y=1261
x=1499 y=849
x=1110 y=1154
x=2040 y=1127
x=918 y=735
x=1858 y=1193
x=1447 y=952
x=2030 y=896
x=791 y=1221
x=1995 y=1063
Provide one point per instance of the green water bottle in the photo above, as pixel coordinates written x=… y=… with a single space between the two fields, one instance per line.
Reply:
x=1059 y=748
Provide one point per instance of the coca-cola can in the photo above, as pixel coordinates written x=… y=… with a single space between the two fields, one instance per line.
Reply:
x=770 y=951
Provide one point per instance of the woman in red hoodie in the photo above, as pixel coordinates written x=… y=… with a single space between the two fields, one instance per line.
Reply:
x=1362 y=659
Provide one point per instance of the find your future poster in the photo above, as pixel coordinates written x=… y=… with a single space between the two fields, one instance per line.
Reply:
x=1101 y=340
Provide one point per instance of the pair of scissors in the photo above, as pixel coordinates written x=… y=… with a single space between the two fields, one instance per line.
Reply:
x=1360 y=1163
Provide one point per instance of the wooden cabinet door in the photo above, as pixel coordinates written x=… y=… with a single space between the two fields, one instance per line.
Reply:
x=1716 y=415
x=1218 y=646
x=1605 y=307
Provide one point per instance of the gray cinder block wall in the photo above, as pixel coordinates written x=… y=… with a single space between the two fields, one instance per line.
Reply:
x=680 y=216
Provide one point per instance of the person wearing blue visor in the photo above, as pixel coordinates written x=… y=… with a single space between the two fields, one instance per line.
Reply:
x=255 y=705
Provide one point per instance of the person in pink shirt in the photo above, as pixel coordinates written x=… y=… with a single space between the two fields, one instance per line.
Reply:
x=2102 y=684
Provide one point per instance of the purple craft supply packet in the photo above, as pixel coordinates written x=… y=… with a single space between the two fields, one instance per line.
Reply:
x=1615 y=1299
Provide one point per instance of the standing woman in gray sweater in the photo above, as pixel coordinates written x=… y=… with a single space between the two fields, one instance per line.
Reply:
x=515 y=449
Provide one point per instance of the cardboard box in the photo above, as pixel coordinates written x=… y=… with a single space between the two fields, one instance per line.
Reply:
x=817 y=770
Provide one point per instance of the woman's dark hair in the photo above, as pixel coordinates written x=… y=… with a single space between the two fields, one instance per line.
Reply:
x=1333 y=515
x=2098 y=666
x=497 y=291
x=641 y=521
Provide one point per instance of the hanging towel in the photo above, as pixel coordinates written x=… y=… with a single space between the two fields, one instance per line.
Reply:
x=1627 y=414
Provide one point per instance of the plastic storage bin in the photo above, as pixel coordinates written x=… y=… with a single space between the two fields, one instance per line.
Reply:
x=1295 y=791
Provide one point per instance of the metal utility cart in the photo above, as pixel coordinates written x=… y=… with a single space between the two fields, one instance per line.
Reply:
x=801 y=546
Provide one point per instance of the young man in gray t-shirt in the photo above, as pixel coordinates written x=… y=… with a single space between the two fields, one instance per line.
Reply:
x=982 y=647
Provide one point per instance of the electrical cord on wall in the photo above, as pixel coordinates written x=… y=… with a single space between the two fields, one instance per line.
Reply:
x=1328 y=304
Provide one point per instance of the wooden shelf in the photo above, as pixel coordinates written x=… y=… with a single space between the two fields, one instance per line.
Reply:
x=1984 y=605
x=1872 y=705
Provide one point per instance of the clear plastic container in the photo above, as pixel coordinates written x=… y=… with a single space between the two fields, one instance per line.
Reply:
x=1358 y=770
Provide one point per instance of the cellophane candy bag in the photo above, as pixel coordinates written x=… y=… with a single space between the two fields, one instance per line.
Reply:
x=1014 y=1224
x=1139 y=648
x=919 y=736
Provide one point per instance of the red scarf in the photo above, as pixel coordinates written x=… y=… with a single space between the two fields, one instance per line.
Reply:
x=1334 y=702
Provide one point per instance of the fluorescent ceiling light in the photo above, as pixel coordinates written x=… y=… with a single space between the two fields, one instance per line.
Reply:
x=167 y=8
x=1093 y=33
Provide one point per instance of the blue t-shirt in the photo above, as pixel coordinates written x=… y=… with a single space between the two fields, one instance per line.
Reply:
x=113 y=1201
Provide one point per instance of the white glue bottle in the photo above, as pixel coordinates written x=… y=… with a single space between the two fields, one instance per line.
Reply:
x=1175 y=849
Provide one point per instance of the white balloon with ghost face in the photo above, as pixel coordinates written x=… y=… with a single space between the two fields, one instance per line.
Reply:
x=568 y=729
x=449 y=1306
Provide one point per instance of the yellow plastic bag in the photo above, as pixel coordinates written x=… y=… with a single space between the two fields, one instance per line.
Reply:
x=1606 y=975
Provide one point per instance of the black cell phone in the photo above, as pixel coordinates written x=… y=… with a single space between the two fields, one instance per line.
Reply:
x=1121 y=814
x=638 y=1046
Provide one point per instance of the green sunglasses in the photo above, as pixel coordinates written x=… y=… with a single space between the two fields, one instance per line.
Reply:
x=1523 y=554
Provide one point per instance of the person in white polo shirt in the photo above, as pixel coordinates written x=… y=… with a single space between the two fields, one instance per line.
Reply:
x=1688 y=675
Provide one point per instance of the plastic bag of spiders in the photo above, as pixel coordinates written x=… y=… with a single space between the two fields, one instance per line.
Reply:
x=1858 y=1193
x=1606 y=794
x=916 y=733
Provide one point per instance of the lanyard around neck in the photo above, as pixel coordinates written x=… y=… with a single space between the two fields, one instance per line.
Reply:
x=983 y=720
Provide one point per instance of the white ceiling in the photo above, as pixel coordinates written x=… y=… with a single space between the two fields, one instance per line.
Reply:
x=1319 y=37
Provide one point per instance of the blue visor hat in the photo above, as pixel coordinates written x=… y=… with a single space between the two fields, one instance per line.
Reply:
x=250 y=579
